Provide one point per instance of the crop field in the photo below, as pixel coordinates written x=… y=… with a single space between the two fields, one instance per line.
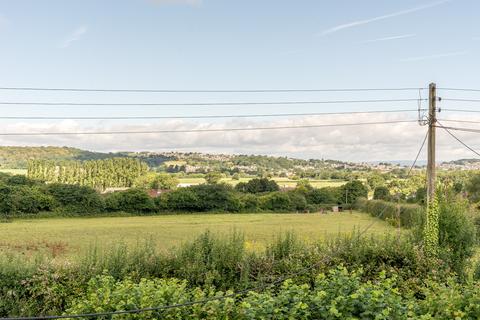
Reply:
x=14 y=171
x=282 y=182
x=70 y=236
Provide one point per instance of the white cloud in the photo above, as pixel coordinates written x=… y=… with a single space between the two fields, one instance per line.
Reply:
x=383 y=17
x=178 y=2
x=399 y=37
x=435 y=56
x=74 y=36
x=373 y=142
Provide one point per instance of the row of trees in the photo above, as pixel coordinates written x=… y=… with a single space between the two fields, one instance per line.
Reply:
x=99 y=174
x=21 y=195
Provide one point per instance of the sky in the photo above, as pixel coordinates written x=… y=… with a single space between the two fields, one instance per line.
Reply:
x=224 y=45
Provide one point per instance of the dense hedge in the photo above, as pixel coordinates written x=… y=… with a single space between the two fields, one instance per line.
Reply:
x=339 y=294
x=409 y=214
x=23 y=196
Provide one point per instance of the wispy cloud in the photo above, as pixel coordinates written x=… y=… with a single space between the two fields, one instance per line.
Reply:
x=435 y=56
x=383 y=17
x=178 y=2
x=403 y=36
x=74 y=36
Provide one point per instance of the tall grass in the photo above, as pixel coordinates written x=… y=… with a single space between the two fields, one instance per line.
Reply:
x=221 y=261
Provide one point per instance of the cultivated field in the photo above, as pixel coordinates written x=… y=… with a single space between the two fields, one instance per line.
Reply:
x=282 y=182
x=14 y=171
x=70 y=236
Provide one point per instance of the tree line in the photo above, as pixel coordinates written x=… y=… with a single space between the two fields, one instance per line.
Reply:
x=98 y=174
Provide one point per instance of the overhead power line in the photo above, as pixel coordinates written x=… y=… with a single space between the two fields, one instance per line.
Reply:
x=202 y=130
x=460 y=100
x=460 y=121
x=458 y=139
x=206 y=90
x=460 y=129
x=253 y=103
x=460 y=110
x=202 y=116
x=460 y=89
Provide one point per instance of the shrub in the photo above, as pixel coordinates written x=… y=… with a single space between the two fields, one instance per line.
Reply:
x=275 y=201
x=457 y=233
x=351 y=191
x=204 y=197
x=20 y=180
x=410 y=214
x=22 y=199
x=258 y=185
x=338 y=294
x=132 y=200
x=182 y=199
x=297 y=200
x=381 y=193
x=327 y=195
x=213 y=177
x=153 y=180
x=250 y=202
x=75 y=198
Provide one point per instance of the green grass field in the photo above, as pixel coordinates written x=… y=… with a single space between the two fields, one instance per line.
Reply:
x=14 y=171
x=70 y=236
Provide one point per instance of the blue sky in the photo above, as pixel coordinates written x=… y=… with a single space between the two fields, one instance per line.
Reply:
x=212 y=44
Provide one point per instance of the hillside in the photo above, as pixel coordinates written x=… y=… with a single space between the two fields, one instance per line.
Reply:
x=17 y=157
x=190 y=162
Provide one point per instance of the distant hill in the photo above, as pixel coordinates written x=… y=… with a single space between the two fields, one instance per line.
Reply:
x=192 y=162
x=17 y=157
x=463 y=162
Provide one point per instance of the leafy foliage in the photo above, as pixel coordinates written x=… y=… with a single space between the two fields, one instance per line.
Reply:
x=410 y=215
x=102 y=174
x=258 y=185
x=132 y=200
x=75 y=198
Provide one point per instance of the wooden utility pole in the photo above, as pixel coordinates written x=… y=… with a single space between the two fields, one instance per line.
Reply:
x=431 y=222
x=432 y=120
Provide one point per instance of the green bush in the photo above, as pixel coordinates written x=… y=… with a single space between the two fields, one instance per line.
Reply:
x=202 y=198
x=457 y=233
x=275 y=201
x=132 y=200
x=75 y=198
x=298 y=201
x=258 y=185
x=327 y=195
x=410 y=214
x=182 y=199
x=22 y=199
x=351 y=191
x=381 y=193
x=338 y=294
